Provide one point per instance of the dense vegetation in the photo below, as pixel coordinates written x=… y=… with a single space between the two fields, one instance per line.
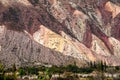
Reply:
x=68 y=72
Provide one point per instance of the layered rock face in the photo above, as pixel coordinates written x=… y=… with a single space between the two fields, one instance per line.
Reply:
x=59 y=32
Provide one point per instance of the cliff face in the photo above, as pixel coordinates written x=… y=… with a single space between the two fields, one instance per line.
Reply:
x=59 y=31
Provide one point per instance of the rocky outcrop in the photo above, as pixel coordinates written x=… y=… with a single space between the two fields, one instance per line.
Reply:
x=59 y=31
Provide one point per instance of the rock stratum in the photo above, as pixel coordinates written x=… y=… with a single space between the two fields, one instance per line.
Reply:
x=59 y=32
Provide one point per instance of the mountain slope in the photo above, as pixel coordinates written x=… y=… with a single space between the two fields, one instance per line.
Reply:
x=59 y=31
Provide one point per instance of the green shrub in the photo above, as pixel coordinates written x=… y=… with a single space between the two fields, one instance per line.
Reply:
x=32 y=70
x=21 y=72
x=9 y=77
x=85 y=70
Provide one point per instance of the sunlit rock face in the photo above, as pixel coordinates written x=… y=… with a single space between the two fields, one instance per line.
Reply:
x=99 y=47
x=59 y=32
x=20 y=48
x=115 y=9
x=116 y=45
x=64 y=45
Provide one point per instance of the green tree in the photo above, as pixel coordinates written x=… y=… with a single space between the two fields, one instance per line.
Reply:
x=105 y=66
x=14 y=67
x=32 y=70
x=2 y=77
x=1 y=68
x=94 y=65
x=100 y=68
x=47 y=74
x=91 y=64
x=72 y=68
x=14 y=71
x=117 y=68
x=21 y=72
